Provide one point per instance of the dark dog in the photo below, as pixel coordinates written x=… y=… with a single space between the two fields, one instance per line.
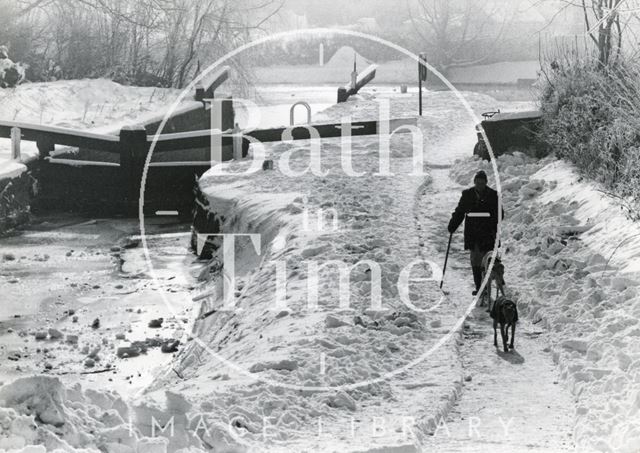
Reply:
x=505 y=313
x=496 y=275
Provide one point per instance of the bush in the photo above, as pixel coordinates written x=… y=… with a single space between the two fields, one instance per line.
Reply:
x=591 y=117
x=11 y=74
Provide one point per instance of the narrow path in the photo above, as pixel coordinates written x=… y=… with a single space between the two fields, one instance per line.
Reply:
x=509 y=402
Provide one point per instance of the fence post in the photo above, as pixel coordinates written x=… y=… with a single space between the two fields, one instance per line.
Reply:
x=133 y=152
x=15 y=144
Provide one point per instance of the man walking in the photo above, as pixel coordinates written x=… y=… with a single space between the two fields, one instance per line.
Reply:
x=478 y=207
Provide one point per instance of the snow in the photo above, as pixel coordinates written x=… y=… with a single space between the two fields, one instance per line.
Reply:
x=610 y=233
x=275 y=375
x=285 y=345
x=344 y=57
x=39 y=414
x=11 y=169
x=40 y=410
x=97 y=105
x=559 y=233
x=296 y=370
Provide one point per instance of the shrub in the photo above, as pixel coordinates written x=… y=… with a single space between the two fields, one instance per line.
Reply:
x=591 y=117
x=11 y=74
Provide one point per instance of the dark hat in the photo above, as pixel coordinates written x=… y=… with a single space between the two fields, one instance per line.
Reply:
x=480 y=175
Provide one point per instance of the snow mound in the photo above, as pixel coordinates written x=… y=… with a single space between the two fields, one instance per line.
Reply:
x=11 y=169
x=42 y=397
x=344 y=57
x=40 y=410
x=39 y=414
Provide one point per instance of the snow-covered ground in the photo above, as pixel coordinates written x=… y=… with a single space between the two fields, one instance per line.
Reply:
x=294 y=351
x=291 y=378
x=573 y=260
x=276 y=375
x=508 y=403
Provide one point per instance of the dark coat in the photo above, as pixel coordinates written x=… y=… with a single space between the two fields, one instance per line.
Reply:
x=477 y=230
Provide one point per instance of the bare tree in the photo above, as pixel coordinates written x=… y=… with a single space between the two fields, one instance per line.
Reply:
x=606 y=23
x=606 y=29
x=142 y=41
x=457 y=32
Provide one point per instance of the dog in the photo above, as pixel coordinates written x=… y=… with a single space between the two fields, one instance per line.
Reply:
x=505 y=314
x=496 y=275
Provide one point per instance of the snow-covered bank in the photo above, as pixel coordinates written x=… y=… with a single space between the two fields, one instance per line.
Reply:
x=572 y=257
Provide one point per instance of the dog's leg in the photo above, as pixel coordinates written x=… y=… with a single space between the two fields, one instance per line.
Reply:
x=487 y=294
x=504 y=337
x=495 y=333
x=513 y=334
x=492 y=301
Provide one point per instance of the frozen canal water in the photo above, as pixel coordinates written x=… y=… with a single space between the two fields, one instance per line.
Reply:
x=64 y=272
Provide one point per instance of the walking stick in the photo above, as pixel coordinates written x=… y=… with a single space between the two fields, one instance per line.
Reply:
x=446 y=258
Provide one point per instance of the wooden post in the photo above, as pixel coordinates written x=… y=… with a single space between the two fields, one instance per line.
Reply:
x=420 y=96
x=237 y=143
x=343 y=95
x=133 y=152
x=221 y=114
x=222 y=117
x=354 y=86
x=422 y=77
x=228 y=119
x=15 y=144
x=206 y=88
x=44 y=148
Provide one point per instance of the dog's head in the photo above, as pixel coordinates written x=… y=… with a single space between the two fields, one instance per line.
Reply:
x=508 y=309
